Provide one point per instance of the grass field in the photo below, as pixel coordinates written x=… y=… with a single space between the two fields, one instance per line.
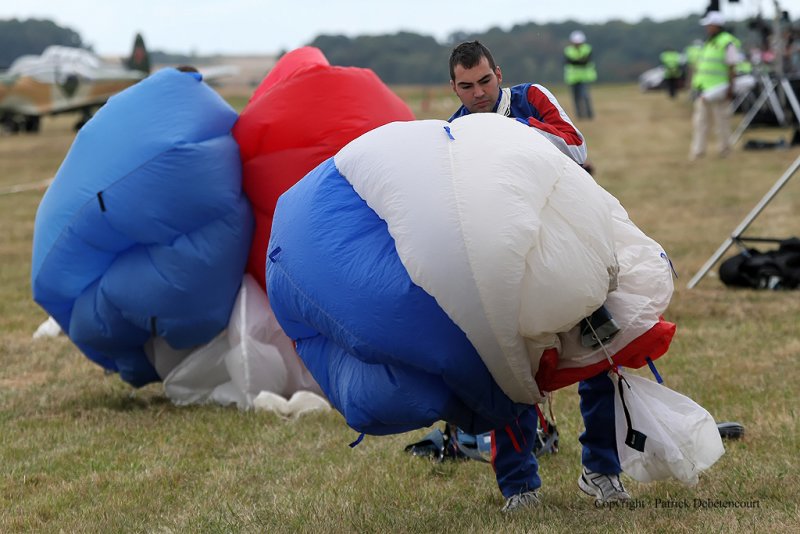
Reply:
x=83 y=452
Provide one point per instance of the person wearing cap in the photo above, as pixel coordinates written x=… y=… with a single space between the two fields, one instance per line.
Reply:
x=579 y=72
x=712 y=81
x=477 y=81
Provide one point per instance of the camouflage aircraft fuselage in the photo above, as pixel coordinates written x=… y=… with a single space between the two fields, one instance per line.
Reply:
x=29 y=96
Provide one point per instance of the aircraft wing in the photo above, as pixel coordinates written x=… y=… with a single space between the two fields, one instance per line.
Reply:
x=213 y=73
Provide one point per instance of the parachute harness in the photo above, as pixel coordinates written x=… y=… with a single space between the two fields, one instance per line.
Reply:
x=614 y=367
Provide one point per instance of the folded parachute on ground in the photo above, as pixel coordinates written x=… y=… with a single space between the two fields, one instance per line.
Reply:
x=303 y=112
x=145 y=230
x=425 y=268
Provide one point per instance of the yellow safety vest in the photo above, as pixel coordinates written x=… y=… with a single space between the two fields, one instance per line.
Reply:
x=579 y=73
x=712 y=71
x=672 y=63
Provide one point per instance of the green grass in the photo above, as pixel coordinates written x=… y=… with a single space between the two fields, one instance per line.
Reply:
x=83 y=452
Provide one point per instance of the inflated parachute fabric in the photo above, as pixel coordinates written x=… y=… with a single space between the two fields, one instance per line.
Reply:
x=425 y=268
x=145 y=230
x=303 y=112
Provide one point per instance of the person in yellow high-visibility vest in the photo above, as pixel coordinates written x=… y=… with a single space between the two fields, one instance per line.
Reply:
x=579 y=72
x=673 y=72
x=713 y=83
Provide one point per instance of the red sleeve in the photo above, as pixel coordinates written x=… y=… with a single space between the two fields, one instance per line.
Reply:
x=554 y=120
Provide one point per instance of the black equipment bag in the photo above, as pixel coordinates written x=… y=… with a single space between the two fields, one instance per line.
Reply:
x=773 y=269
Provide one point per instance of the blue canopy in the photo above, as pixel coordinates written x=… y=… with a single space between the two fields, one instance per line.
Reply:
x=380 y=347
x=145 y=230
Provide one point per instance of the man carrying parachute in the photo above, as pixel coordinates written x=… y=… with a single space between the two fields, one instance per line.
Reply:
x=476 y=80
x=424 y=270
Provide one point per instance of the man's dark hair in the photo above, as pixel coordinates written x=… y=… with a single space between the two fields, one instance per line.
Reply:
x=468 y=55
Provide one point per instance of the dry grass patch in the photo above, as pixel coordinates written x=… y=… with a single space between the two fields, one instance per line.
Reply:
x=82 y=452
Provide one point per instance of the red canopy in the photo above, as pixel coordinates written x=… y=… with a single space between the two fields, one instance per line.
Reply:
x=304 y=112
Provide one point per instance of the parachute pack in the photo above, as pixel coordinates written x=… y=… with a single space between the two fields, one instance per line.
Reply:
x=772 y=269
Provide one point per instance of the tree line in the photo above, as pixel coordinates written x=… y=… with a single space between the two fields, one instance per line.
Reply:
x=526 y=52
x=32 y=36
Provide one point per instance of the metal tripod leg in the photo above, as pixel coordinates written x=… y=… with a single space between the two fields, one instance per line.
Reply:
x=769 y=91
x=776 y=106
x=791 y=98
x=738 y=101
x=745 y=223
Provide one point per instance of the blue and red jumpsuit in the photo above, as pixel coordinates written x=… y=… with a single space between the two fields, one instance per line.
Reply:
x=515 y=466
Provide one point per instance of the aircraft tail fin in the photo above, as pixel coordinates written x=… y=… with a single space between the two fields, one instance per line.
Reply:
x=140 y=57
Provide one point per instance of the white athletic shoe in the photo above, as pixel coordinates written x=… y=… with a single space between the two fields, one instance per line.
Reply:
x=528 y=499
x=604 y=488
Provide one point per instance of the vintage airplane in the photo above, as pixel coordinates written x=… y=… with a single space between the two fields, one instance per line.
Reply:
x=64 y=79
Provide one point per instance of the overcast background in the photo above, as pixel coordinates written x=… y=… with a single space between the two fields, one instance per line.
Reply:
x=266 y=27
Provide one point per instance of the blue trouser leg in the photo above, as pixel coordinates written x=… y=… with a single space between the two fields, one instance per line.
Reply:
x=583 y=103
x=515 y=466
x=577 y=99
x=599 y=439
x=587 y=102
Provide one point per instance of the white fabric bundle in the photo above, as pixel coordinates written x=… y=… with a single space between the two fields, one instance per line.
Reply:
x=514 y=240
x=250 y=357
x=662 y=434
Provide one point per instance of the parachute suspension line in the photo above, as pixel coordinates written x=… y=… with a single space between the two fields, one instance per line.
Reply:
x=100 y=201
x=603 y=346
x=614 y=367
x=672 y=267
x=549 y=399
x=357 y=441
x=652 y=367
x=542 y=418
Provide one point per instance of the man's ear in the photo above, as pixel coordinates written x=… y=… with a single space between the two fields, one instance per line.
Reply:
x=499 y=74
x=453 y=85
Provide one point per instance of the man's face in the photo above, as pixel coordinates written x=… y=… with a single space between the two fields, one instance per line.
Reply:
x=712 y=30
x=478 y=87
